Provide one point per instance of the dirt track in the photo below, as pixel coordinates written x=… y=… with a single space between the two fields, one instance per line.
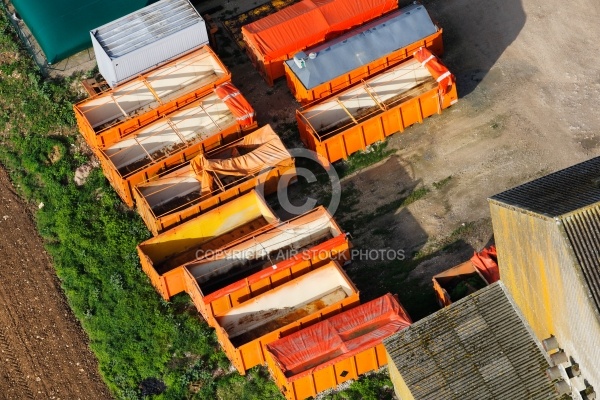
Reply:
x=43 y=350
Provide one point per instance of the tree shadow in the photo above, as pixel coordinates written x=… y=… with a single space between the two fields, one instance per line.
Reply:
x=476 y=33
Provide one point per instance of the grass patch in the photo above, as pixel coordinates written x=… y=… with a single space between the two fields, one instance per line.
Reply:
x=362 y=159
x=375 y=386
x=440 y=184
x=353 y=221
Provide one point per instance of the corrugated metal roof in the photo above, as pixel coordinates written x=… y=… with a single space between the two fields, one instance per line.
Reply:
x=477 y=348
x=583 y=231
x=361 y=46
x=559 y=193
x=145 y=26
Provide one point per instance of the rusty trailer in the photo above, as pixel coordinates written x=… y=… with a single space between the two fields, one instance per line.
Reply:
x=106 y=118
x=259 y=159
x=201 y=126
x=373 y=110
x=162 y=257
x=331 y=67
x=246 y=329
x=264 y=260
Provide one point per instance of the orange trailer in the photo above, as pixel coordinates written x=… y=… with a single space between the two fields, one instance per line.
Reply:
x=212 y=178
x=246 y=329
x=277 y=37
x=335 y=350
x=446 y=281
x=162 y=257
x=359 y=54
x=373 y=110
x=263 y=261
x=453 y=284
x=106 y=118
x=212 y=121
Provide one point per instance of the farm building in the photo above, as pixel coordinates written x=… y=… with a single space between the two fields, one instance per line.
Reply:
x=479 y=347
x=547 y=235
x=142 y=40
x=62 y=27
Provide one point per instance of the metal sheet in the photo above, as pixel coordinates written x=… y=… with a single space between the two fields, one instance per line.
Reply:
x=364 y=45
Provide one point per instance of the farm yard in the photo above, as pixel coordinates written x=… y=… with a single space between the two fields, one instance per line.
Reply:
x=526 y=107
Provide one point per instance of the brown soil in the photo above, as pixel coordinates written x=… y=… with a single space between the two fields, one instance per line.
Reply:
x=43 y=349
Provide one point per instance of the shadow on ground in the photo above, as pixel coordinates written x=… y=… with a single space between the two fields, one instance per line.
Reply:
x=464 y=54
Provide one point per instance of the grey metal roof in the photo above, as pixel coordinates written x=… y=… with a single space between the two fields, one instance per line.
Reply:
x=145 y=26
x=365 y=44
x=559 y=193
x=478 y=348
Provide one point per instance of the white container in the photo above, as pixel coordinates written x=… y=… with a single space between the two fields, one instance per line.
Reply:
x=144 y=39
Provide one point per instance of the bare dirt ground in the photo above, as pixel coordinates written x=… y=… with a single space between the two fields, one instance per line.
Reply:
x=43 y=349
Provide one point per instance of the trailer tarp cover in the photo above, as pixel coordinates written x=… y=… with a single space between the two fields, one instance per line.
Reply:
x=486 y=261
x=237 y=104
x=435 y=67
x=339 y=337
x=309 y=22
x=62 y=27
x=257 y=151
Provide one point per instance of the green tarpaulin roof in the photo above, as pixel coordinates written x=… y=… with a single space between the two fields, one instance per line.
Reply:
x=62 y=27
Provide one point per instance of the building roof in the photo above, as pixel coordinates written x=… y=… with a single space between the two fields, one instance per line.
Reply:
x=559 y=193
x=62 y=27
x=145 y=26
x=572 y=197
x=363 y=45
x=479 y=347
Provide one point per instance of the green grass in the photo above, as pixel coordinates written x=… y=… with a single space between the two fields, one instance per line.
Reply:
x=376 y=386
x=362 y=159
x=354 y=221
x=440 y=184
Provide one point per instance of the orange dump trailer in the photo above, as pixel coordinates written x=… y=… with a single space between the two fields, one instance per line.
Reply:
x=162 y=257
x=209 y=122
x=275 y=38
x=246 y=329
x=359 y=54
x=457 y=282
x=263 y=261
x=375 y=109
x=211 y=179
x=335 y=350
x=111 y=115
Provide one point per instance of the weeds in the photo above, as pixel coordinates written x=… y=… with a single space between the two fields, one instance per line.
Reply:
x=442 y=183
x=357 y=161
x=361 y=220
